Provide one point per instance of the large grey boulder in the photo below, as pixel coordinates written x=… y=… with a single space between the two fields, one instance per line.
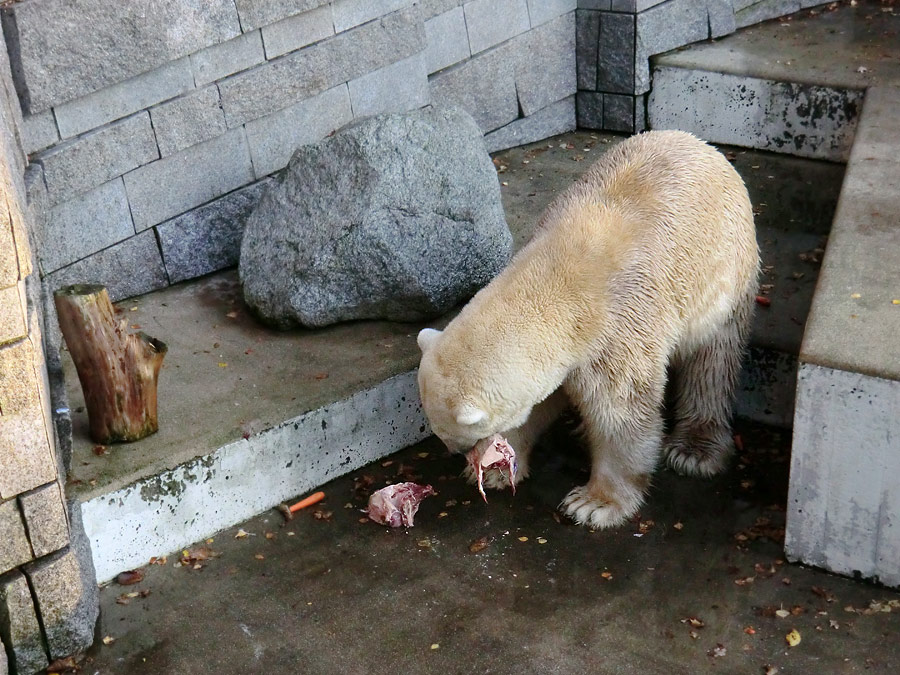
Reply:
x=393 y=217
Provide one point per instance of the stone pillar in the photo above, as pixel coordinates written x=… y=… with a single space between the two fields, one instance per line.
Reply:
x=615 y=40
x=48 y=593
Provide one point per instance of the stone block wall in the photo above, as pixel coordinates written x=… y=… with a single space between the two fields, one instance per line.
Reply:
x=153 y=128
x=48 y=593
x=616 y=38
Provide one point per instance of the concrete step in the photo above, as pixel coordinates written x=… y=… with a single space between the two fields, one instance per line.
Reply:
x=250 y=417
x=843 y=506
x=792 y=85
x=825 y=84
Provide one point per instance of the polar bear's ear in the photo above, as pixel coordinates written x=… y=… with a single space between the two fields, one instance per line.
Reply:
x=469 y=415
x=426 y=338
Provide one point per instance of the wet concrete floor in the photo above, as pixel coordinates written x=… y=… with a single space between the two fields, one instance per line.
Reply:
x=696 y=583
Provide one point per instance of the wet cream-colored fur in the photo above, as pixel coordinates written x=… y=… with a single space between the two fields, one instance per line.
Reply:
x=648 y=262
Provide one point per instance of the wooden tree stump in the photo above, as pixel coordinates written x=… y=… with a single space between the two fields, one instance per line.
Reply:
x=118 y=370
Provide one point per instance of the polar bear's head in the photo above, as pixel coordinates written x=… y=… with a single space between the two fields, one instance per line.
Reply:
x=462 y=402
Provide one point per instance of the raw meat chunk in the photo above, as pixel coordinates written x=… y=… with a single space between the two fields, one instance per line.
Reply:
x=396 y=505
x=498 y=455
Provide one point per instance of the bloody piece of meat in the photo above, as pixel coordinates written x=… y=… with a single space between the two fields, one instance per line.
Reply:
x=498 y=455
x=396 y=505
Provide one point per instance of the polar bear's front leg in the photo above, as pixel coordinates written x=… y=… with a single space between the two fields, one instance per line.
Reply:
x=620 y=476
x=625 y=446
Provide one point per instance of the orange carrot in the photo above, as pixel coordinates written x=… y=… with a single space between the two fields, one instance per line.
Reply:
x=314 y=498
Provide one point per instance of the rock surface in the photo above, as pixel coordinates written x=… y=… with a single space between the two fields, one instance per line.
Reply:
x=394 y=217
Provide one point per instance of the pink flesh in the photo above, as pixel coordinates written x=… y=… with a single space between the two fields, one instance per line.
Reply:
x=498 y=455
x=396 y=505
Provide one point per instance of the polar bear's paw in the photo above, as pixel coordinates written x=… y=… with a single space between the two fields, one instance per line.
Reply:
x=597 y=511
x=699 y=451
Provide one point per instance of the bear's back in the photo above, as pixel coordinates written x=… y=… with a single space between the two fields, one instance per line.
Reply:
x=673 y=225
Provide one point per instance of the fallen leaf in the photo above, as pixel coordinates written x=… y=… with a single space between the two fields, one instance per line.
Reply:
x=828 y=596
x=108 y=640
x=782 y=613
x=195 y=556
x=717 y=651
x=770 y=670
x=100 y=450
x=834 y=624
x=270 y=535
x=763 y=301
x=435 y=646
x=694 y=621
x=260 y=556
x=130 y=577
x=606 y=575
x=321 y=376
x=232 y=314
x=240 y=534
x=323 y=515
x=750 y=630
x=541 y=540
x=793 y=638
x=679 y=525
x=479 y=544
x=65 y=665
x=222 y=364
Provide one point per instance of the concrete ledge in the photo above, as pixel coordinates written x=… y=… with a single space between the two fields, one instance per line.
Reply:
x=843 y=506
x=767 y=386
x=799 y=119
x=162 y=513
x=854 y=324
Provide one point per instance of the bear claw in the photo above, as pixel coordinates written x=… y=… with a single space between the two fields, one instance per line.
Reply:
x=594 y=512
x=699 y=454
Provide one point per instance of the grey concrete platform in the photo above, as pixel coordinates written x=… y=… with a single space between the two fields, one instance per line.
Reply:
x=792 y=85
x=691 y=586
x=825 y=83
x=844 y=513
x=244 y=409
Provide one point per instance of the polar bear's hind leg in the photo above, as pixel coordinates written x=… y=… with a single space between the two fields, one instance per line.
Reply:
x=704 y=384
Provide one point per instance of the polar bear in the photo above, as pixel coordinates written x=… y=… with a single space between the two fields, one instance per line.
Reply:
x=648 y=264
